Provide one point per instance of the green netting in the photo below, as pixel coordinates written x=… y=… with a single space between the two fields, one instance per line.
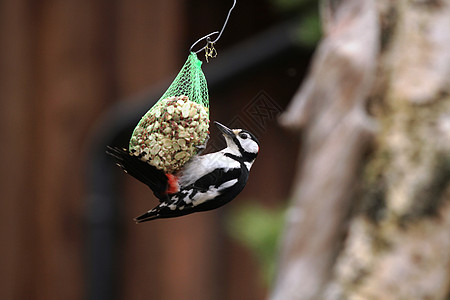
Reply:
x=167 y=135
x=190 y=82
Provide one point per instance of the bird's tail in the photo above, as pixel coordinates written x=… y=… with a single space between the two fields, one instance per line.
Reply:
x=148 y=216
x=142 y=171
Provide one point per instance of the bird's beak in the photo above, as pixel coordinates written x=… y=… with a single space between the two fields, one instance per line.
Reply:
x=227 y=132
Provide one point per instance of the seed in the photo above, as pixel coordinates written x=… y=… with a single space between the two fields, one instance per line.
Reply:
x=157 y=112
x=183 y=134
x=167 y=143
x=180 y=155
x=170 y=110
x=155 y=149
x=156 y=161
x=185 y=110
x=193 y=112
x=167 y=130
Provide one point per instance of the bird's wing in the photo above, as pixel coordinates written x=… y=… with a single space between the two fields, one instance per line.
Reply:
x=142 y=171
x=216 y=178
x=200 y=196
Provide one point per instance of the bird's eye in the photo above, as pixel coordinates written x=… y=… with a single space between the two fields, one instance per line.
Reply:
x=243 y=135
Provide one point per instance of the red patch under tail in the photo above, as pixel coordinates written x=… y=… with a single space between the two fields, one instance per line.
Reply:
x=172 y=184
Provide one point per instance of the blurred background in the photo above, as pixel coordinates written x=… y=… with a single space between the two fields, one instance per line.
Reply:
x=76 y=76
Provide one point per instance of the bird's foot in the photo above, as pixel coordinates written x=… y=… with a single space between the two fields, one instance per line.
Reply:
x=202 y=147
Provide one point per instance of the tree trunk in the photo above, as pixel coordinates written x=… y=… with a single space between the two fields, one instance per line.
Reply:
x=390 y=60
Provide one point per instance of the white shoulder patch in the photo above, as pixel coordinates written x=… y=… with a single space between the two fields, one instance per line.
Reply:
x=202 y=197
x=227 y=184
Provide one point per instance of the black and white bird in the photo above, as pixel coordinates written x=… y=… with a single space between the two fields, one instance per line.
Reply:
x=205 y=182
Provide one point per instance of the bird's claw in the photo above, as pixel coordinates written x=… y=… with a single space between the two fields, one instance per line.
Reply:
x=202 y=147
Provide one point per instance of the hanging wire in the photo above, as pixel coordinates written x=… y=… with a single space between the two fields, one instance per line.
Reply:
x=209 y=42
x=206 y=37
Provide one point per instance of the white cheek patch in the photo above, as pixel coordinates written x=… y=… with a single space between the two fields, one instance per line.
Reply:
x=250 y=146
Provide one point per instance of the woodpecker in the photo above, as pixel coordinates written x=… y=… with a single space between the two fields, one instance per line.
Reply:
x=204 y=183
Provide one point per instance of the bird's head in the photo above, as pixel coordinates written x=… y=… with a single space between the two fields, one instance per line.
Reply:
x=240 y=142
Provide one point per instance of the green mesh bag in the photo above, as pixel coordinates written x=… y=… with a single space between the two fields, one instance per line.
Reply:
x=168 y=135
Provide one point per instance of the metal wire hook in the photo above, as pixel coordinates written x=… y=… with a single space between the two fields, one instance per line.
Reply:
x=207 y=37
